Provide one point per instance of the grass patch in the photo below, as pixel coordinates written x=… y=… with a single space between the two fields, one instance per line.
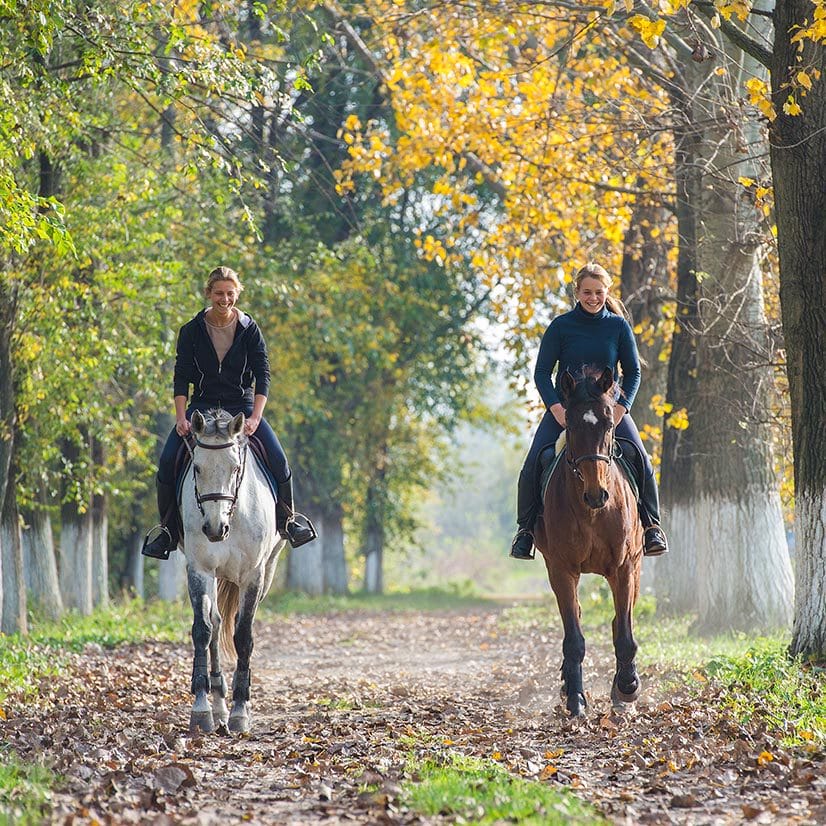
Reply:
x=764 y=684
x=426 y=599
x=24 y=790
x=482 y=791
x=25 y=660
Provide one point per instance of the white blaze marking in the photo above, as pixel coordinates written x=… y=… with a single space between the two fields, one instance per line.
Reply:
x=589 y=417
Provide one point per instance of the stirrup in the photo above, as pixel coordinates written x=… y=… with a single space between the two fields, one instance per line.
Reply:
x=299 y=530
x=158 y=553
x=520 y=554
x=657 y=549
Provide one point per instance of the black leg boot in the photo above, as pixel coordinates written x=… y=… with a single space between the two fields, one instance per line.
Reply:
x=167 y=540
x=295 y=527
x=522 y=545
x=654 y=540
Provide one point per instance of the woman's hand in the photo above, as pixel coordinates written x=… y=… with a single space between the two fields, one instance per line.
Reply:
x=251 y=424
x=619 y=412
x=182 y=426
x=558 y=412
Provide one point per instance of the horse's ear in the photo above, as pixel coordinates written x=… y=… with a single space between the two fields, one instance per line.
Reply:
x=198 y=423
x=236 y=426
x=606 y=380
x=567 y=385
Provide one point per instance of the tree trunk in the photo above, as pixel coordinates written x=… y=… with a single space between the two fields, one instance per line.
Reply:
x=42 y=579
x=674 y=574
x=75 y=547
x=100 y=538
x=744 y=573
x=798 y=147
x=305 y=565
x=8 y=410
x=14 y=583
x=171 y=576
x=335 y=564
x=373 y=541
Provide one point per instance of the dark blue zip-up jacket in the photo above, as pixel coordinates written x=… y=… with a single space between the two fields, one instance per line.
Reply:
x=579 y=338
x=244 y=372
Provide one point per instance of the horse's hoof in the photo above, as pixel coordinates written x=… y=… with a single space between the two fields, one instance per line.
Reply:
x=239 y=724
x=618 y=696
x=201 y=721
x=576 y=705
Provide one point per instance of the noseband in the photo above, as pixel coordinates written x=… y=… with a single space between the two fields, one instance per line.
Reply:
x=217 y=497
x=574 y=463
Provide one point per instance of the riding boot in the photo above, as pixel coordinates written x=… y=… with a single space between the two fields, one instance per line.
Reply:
x=654 y=540
x=522 y=545
x=167 y=540
x=295 y=527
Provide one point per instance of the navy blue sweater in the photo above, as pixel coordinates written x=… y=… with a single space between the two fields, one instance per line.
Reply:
x=579 y=338
x=231 y=382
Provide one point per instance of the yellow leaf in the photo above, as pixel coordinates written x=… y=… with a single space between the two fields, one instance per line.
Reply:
x=3 y=714
x=804 y=80
x=764 y=757
x=806 y=735
x=791 y=107
x=496 y=755
x=548 y=771
x=747 y=182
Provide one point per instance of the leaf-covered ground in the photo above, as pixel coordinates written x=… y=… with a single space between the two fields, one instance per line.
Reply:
x=346 y=705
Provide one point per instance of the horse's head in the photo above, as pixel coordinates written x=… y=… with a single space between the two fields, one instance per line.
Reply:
x=218 y=467
x=589 y=412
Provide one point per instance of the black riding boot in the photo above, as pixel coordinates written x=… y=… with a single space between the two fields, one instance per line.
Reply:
x=522 y=545
x=296 y=527
x=654 y=541
x=167 y=540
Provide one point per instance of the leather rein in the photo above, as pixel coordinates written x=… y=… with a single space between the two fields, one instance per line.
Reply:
x=608 y=458
x=217 y=497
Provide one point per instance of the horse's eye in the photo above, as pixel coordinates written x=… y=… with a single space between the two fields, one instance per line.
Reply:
x=607 y=411
x=197 y=468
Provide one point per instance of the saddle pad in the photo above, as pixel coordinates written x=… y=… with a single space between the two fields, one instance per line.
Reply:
x=624 y=464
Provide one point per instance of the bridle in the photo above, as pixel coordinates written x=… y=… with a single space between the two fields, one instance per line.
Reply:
x=608 y=458
x=217 y=497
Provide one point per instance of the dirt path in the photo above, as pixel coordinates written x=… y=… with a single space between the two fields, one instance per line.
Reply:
x=341 y=701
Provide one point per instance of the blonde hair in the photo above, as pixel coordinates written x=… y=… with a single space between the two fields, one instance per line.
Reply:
x=593 y=270
x=222 y=274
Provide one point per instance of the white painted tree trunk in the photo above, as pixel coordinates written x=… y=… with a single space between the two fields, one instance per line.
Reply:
x=38 y=546
x=809 y=633
x=76 y=559
x=373 y=578
x=100 y=553
x=675 y=574
x=14 y=610
x=335 y=565
x=305 y=571
x=172 y=576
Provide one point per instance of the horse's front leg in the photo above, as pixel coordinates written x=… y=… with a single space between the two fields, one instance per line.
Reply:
x=564 y=584
x=202 y=595
x=625 y=587
x=217 y=683
x=239 y=717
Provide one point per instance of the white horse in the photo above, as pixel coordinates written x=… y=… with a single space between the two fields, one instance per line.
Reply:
x=231 y=547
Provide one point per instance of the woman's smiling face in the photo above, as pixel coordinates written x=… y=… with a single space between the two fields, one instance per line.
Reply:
x=591 y=294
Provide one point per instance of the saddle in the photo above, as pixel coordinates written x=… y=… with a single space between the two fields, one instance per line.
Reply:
x=627 y=456
x=183 y=459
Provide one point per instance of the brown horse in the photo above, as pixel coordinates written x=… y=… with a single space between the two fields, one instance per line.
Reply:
x=590 y=524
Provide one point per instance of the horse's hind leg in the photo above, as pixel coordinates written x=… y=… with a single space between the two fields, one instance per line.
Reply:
x=239 y=717
x=564 y=586
x=202 y=595
x=625 y=586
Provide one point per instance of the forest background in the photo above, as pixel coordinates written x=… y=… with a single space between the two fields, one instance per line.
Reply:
x=406 y=190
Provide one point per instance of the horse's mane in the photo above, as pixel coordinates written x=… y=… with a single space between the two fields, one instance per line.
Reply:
x=586 y=377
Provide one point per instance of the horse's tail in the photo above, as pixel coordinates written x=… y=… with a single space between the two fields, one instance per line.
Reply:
x=228 y=609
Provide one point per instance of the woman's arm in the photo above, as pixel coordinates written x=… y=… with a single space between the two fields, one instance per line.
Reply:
x=252 y=421
x=629 y=360
x=542 y=374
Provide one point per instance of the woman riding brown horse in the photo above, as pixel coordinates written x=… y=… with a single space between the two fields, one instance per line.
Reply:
x=590 y=524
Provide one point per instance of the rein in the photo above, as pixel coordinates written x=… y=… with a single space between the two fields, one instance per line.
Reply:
x=217 y=497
